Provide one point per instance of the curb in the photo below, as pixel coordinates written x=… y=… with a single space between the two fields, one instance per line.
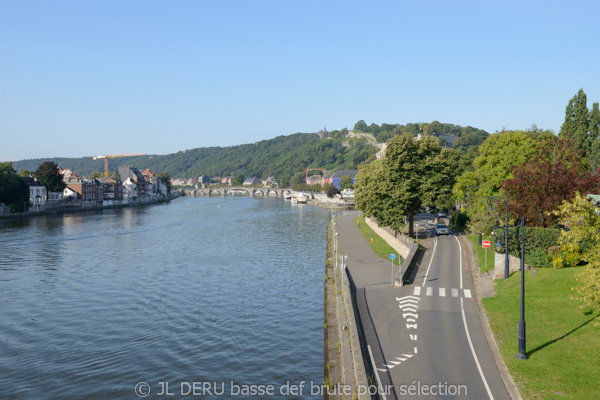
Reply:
x=489 y=335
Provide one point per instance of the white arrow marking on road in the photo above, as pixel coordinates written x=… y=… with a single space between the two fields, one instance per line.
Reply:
x=411 y=320
x=408 y=297
x=409 y=309
x=417 y=290
x=410 y=315
x=411 y=326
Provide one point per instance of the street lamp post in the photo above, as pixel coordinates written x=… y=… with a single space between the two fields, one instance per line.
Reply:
x=505 y=201
x=515 y=229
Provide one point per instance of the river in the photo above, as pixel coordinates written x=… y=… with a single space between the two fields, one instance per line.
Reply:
x=190 y=297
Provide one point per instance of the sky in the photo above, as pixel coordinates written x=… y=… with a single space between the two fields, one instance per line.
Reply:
x=85 y=78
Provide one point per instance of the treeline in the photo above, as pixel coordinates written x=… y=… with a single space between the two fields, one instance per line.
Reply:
x=284 y=157
x=468 y=137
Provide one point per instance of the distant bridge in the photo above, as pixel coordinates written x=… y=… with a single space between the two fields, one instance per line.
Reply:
x=231 y=191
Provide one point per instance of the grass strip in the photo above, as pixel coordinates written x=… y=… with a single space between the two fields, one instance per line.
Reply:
x=379 y=246
x=562 y=341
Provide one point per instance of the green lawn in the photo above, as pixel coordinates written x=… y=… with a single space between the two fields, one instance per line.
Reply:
x=481 y=252
x=379 y=246
x=562 y=342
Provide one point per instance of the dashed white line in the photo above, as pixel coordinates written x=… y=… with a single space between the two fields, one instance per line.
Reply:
x=417 y=291
x=429 y=291
x=454 y=292
x=468 y=294
x=442 y=292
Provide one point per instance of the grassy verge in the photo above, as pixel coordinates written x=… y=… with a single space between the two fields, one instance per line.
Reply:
x=481 y=252
x=379 y=246
x=562 y=341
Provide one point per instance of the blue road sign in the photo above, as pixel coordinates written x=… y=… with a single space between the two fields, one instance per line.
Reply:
x=392 y=256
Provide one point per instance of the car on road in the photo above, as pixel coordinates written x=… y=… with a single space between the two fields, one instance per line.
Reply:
x=442 y=214
x=442 y=229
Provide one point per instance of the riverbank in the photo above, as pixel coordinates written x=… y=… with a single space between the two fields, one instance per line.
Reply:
x=70 y=209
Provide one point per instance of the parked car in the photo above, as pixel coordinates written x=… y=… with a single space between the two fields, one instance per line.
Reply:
x=442 y=229
x=442 y=214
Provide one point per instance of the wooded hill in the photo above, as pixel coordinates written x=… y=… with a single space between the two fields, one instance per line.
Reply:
x=284 y=157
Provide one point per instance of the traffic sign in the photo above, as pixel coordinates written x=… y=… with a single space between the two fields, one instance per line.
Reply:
x=486 y=243
x=392 y=256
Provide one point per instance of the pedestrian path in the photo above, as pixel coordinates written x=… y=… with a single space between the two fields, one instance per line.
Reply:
x=442 y=292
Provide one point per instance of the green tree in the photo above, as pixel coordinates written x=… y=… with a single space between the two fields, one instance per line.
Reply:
x=584 y=233
x=237 y=180
x=47 y=174
x=166 y=178
x=492 y=166
x=24 y=173
x=14 y=190
x=96 y=175
x=361 y=126
x=594 y=134
x=577 y=123
x=346 y=182
x=412 y=174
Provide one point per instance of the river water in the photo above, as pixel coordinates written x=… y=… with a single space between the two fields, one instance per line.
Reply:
x=214 y=294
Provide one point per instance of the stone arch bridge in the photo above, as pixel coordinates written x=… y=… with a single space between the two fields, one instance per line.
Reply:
x=231 y=191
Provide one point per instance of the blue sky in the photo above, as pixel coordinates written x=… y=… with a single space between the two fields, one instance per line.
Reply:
x=84 y=78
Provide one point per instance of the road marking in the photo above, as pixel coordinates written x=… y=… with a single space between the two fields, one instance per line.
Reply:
x=442 y=292
x=413 y=337
x=396 y=362
x=401 y=359
x=429 y=291
x=409 y=315
x=415 y=350
x=430 y=261
x=462 y=310
x=460 y=260
x=468 y=294
x=376 y=369
x=417 y=290
x=414 y=326
x=407 y=355
x=454 y=292
x=411 y=320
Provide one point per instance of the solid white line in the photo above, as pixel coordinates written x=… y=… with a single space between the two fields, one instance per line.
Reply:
x=460 y=262
x=375 y=368
x=462 y=309
x=417 y=290
x=442 y=292
x=429 y=291
x=430 y=261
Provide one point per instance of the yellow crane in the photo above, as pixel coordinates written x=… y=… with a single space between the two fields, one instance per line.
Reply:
x=107 y=156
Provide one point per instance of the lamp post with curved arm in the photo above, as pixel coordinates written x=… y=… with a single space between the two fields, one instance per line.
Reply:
x=515 y=229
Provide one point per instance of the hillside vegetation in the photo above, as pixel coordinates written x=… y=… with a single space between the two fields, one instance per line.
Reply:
x=285 y=157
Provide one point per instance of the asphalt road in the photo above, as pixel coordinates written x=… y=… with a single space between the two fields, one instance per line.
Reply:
x=426 y=338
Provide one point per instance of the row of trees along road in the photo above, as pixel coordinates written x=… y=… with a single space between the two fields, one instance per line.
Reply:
x=413 y=174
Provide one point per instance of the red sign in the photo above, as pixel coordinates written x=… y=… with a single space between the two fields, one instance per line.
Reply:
x=486 y=243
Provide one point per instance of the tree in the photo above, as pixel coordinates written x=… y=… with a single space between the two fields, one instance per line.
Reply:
x=584 y=232
x=237 y=180
x=14 y=190
x=553 y=175
x=346 y=182
x=594 y=135
x=24 y=173
x=48 y=175
x=166 y=178
x=96 y=175
x=360 y=126
x=492 y=166
x=577 y=123
x=412 y=174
